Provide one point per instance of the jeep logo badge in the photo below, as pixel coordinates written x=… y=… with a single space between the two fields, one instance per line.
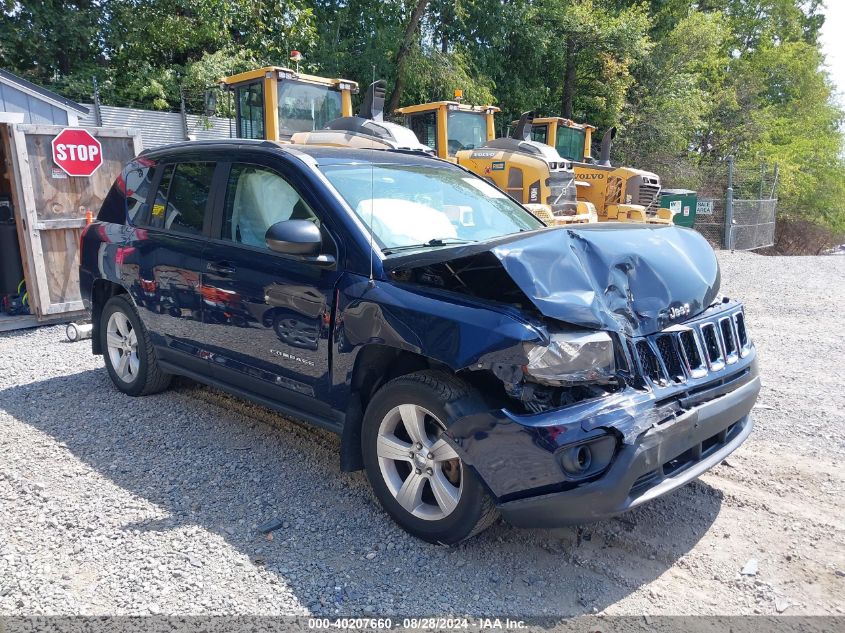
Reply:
x=679 y=311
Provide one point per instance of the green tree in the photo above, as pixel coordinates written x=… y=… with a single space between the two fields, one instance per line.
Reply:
x=688 y=82
x=798 y=126
x=52 y=42
x=678 y=90
x=595 y=47
x=356 y=37
x=152 y=44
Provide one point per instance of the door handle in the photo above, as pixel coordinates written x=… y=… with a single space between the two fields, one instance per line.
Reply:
x=220 y=268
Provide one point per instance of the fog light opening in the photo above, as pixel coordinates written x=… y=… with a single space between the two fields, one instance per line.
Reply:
x=583 y=458
x=587 y=458
x=577 y=460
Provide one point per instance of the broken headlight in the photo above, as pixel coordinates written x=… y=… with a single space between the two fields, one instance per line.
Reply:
x=572 y=357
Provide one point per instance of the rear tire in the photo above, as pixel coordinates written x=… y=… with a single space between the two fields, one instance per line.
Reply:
x=417 y=476
x=130 y=358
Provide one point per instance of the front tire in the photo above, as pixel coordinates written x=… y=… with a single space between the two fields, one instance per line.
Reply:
x=417 y=476
x=129 y=355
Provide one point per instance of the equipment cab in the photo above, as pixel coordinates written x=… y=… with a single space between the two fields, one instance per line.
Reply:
x=274 y=103
x=450 y=126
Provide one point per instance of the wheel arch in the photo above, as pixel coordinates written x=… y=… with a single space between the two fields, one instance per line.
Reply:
x=375 y=365
x=101 y=292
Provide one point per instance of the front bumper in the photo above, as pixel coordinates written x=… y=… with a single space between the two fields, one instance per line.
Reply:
x=664 y=441
x=685 y=406
x=663 y=458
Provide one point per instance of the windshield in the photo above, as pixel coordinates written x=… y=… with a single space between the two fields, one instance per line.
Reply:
x=420 y=206
x=306 y=107
x=570 y=143
x=466 y=130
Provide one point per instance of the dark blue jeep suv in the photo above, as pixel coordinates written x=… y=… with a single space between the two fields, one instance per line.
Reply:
x=473 y=360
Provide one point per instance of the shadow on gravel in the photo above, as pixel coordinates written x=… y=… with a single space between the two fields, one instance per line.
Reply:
x=225 y=465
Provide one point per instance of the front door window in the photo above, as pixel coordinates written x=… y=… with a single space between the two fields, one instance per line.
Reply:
x=257 y=198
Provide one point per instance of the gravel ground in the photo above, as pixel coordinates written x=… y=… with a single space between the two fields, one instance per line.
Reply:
x=114 y=505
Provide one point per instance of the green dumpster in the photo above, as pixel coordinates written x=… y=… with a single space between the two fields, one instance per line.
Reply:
x=682 y=203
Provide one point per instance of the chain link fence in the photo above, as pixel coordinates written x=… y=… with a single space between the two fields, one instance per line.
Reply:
x=753 y=224
x=738 y=207
x=710 y=220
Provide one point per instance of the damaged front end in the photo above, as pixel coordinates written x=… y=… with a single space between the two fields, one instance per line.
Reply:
x=679 y=404
x=561 y=365
x=642 y=377
x=588 y=290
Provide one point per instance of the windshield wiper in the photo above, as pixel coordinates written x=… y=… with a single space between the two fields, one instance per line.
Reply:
x=432 y=243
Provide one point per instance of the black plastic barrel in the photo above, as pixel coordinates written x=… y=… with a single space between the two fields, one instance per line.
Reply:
x=11 y=271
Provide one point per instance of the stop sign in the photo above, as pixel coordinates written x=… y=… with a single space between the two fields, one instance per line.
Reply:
x=77 y=152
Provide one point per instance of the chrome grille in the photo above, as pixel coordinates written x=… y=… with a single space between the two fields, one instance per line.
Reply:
x=729 y=340
x=740 y=329
x=670 y=356
x=692 y=354
x=712 y=348
x=691 y=351
x=648 y=362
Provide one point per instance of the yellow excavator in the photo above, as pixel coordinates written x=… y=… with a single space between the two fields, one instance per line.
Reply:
x=618 y=193
x=526 y=170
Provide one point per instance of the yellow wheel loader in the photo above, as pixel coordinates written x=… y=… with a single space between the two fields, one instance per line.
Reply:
x=618 y=193
x=449 y=126
x=274 y=103
x=282 y=105
x=530 y=172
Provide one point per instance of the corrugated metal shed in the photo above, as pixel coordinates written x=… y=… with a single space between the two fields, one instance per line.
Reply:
x=158 y=128
x=198 y=127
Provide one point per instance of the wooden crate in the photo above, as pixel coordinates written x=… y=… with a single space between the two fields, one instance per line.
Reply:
x=51 y=209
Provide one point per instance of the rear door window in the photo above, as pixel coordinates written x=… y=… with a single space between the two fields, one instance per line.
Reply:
x=182 y=198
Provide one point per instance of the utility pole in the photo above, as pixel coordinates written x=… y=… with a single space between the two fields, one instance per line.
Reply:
x=183 y=111
x=729 y=206
x=775 y=182
x=98 y=116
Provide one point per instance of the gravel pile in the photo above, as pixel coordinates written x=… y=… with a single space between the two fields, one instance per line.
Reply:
x=114 y=505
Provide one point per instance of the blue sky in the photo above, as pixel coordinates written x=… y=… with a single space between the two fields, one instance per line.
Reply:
x=833 y=44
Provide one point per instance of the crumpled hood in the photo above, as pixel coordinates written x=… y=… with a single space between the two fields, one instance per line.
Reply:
x=631 y=278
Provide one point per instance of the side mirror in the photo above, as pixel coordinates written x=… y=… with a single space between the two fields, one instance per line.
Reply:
x=294 y=237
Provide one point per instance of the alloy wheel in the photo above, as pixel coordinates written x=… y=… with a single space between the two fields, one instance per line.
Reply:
x=421 y=470
x=122 y=344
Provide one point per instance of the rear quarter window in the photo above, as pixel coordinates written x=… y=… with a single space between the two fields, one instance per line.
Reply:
x=125 y=202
